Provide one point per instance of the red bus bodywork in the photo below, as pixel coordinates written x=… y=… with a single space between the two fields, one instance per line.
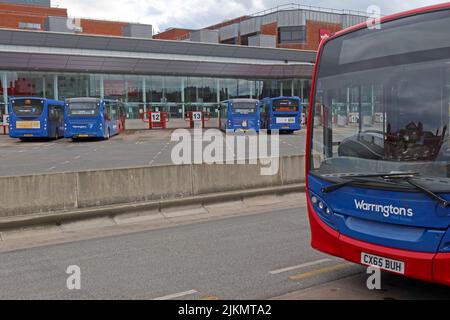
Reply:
x=432 y=267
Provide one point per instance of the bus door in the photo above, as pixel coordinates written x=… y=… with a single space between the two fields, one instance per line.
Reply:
x=55 y=121
x=265 y=114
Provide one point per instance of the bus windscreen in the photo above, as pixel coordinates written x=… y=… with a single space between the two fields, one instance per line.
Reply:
x=244 y=107
x=27 y=108
x=386 y=114
x=83 y=109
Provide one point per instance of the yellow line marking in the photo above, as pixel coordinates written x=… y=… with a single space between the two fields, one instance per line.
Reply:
x=209 y=298
x=318 y=272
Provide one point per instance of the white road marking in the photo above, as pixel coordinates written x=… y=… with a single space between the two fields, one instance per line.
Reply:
x=50 y=169
x=301 y=266
x=77 y=157
x=177 y=295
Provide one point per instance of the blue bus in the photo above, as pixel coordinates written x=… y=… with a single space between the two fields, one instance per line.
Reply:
x=282 y=113
x=34 y=118
x=93 y=118
x=240 y=115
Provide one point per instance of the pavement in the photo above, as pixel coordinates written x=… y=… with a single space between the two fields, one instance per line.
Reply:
x=256 y=249
x=132 y=149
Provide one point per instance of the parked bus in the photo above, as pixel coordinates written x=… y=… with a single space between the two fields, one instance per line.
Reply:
x=282 y=113
x=240 y=115
x=379 y=192
x=93 y=118
x=34 y=118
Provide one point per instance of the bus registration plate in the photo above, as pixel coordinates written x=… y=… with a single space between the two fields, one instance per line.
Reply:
x=285 y=120
x=28 y=125
x=383 y=263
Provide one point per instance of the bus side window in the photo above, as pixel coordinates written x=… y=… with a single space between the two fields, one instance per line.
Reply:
x=114 y=111
x=52 y=113
x=106 y=111
x=61 y=114
x=223 y=111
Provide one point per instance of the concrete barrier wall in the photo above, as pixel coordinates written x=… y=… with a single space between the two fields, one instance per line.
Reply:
x=46 y=193
x=37 y=193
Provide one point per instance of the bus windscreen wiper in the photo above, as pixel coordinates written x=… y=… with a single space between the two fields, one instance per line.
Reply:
x=431 y=194
x=405 y=176
x=364 y=178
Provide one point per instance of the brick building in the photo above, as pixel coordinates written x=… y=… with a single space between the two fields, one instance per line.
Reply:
x=291 y=27
x=41 y=16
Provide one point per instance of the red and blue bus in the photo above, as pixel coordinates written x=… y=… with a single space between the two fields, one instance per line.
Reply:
x=283 y=114
x=93 y=118
x=379 y=187
x=240 y=115
x=36 y=118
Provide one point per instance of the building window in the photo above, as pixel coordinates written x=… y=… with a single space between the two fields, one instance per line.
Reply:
x=229 y=41
x=28 y=25
x=292 y=34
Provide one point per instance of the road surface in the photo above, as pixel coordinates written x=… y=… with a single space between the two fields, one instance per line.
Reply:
x=262 y=255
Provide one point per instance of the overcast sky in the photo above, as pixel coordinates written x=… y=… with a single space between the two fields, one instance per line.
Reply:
x=195 y=14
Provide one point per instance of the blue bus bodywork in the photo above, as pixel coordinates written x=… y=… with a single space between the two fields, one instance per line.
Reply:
x=282 y=113
x=240 y=115
x=379 y=187
x=92 y=118
x=32 y=117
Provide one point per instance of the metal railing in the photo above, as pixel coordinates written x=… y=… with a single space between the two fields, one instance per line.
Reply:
x=297 y=6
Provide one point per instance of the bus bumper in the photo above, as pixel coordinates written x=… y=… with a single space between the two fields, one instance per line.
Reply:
x=286 y=127
x=431 y=267
x=84 y=135
x=28 y=135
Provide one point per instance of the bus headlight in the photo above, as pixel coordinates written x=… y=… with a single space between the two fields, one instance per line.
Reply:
x=320 y=205
x=323 y=210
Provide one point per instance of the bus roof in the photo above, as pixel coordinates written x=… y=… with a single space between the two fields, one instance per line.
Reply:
x=89 y=99
x=242 y=100
x=37 y=98
x=391 y=17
